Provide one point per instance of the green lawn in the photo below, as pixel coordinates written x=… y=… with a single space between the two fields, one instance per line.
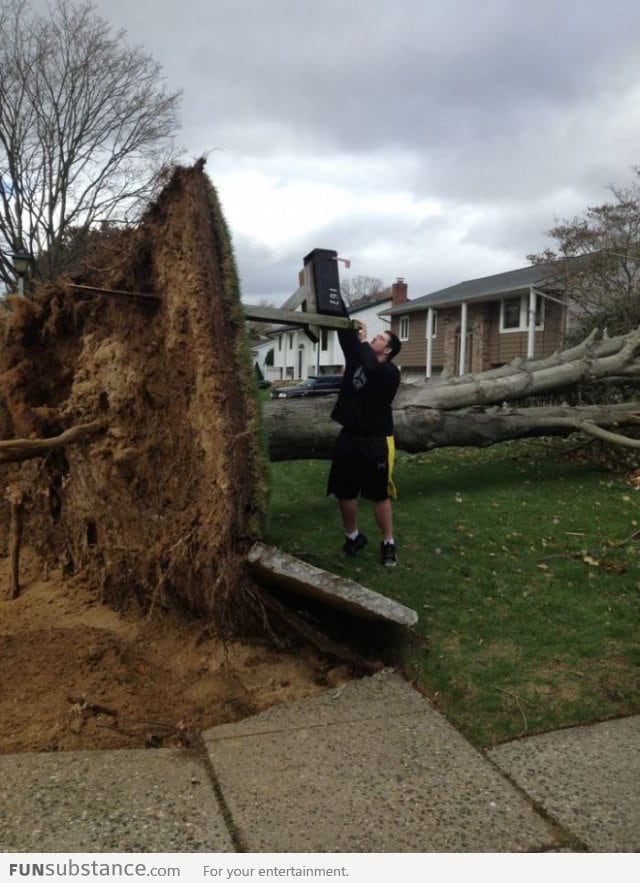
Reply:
x=522 y=563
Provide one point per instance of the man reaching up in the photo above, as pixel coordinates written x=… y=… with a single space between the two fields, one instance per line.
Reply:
x=363 y=457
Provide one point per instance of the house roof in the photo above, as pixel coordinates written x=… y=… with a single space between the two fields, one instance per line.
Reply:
x=372 y=303
x=488 y=287
x=256 y=346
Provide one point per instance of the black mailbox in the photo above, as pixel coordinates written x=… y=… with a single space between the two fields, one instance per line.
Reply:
x=326 y=282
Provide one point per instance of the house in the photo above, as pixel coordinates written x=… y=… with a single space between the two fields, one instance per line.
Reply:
x=295 y=357
x=480 y=324
x=262 y=354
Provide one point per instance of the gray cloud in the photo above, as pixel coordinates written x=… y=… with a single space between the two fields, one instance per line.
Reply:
x=449 y=136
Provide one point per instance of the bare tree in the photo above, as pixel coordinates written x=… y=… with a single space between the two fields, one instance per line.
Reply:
x=361 y=289
x=85 y=125
x=601 y=277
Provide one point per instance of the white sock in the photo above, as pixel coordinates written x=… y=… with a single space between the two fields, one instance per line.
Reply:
x=352 y=536
x=390 y=540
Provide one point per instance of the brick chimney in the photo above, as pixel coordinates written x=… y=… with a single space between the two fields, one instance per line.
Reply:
x=399 y=292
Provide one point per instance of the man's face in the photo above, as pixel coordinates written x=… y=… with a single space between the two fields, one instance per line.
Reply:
x=380 y=344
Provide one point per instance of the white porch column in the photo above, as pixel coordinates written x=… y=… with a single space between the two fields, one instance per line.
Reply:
x=531 y=337
x=463 y=338
x=429 y=341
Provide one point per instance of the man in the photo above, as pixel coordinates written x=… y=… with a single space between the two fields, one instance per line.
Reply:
x=363 y=457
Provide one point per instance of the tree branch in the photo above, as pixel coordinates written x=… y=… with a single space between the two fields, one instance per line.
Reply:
x=612 y=437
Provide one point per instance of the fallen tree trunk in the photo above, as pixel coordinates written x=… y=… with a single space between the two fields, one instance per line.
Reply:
x=591 y=360
x=299 y=430
x=476 y=409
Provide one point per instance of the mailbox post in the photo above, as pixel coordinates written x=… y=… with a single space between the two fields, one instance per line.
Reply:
x=318 y=298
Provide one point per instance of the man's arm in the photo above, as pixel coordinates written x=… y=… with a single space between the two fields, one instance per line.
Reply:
x=354 y=345
x=349 y=341
x=366 y=356
x=350 y=347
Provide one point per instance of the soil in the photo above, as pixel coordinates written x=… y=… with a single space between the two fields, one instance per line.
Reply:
x=77 y=674
x=153 y=510
x=165 y=496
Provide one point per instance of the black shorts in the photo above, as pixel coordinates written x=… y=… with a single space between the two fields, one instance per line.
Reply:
x=360 y=467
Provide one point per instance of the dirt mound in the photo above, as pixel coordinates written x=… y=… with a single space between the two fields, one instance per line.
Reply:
x=161 y=505
x=78 y=675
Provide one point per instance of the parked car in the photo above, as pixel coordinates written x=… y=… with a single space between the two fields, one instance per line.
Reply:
x=320 y=385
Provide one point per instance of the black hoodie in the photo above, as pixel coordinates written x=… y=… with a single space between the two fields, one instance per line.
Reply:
x=367 y=389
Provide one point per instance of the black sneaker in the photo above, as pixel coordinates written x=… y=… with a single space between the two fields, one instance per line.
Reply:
x=388 y=554
x=352 y=547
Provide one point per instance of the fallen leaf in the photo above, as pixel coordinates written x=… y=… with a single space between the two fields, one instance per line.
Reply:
x=613 y=568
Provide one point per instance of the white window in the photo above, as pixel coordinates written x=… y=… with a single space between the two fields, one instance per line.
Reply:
x=404 y=328
x=514 y=313
x=434 y=324
x=510 y=313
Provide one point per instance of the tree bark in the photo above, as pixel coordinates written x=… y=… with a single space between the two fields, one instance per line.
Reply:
x=472 y=409
x=591 y=360
x=299 y=430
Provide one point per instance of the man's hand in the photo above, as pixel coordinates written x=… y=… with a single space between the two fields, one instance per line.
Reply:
x=362 y=331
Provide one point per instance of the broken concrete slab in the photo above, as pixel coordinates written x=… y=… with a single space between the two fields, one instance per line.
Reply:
x=586 y=777
x=370 y=767
x=273 y=565
x=110 y=801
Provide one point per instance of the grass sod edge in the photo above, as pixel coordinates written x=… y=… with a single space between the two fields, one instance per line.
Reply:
x=521 y=562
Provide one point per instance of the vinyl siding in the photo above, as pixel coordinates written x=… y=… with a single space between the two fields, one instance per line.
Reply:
x=487 y=346
x=506 y=346
x=414 y=350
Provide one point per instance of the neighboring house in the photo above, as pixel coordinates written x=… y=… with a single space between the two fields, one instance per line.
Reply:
x=263 y=355
x=296 y=357
x=480 y=324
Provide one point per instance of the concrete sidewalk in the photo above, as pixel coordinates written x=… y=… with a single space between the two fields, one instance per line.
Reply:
x=369 y=767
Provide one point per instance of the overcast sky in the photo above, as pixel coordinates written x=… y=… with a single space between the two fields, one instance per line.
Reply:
x=436 y=141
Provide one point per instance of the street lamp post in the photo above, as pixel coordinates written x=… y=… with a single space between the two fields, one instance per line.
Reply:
x=21 y=263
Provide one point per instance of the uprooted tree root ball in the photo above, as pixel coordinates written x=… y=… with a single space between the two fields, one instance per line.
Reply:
x=136 y=620
x=160 y=506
